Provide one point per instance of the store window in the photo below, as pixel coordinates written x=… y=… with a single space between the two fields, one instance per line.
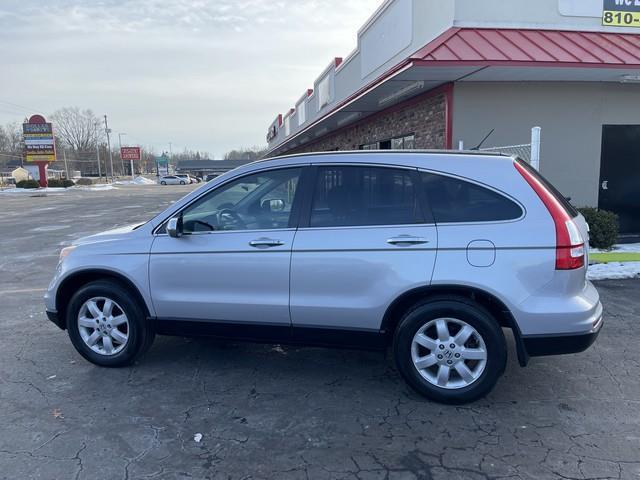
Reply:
x=406 y=142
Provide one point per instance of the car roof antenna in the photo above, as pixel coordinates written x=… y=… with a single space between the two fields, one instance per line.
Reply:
x=484 y=139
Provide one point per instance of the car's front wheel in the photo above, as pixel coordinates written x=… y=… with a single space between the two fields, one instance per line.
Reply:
x=450 y=350
x=106 y=326
x=163 y=183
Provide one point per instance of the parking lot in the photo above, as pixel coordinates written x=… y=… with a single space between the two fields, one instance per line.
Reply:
x=267 y=411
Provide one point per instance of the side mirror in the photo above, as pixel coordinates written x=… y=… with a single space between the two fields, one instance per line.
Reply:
x=174 y=227
x=273 y=205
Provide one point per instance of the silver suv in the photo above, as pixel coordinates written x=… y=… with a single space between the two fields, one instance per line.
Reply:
x=430 y=253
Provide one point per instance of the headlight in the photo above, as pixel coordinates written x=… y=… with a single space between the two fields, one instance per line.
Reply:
x=66 y=251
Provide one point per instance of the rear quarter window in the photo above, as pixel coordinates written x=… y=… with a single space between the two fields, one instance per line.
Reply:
x=453 y=200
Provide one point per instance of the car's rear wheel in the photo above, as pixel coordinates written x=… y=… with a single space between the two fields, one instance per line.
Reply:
x=450 y=350
x=107 y=326
x=182 y=182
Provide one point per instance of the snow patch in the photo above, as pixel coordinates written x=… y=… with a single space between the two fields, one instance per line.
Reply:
x=136 y=181
x=621 y=248
x=33 y=191
x=98 y=187
x=613 y=271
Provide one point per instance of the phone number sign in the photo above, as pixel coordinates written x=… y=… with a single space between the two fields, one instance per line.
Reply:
x=621 y=13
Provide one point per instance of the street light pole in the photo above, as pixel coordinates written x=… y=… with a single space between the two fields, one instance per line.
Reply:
x=120 y=145
x=108 y=131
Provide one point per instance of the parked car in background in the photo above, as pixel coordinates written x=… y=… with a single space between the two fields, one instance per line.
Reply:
x=186 y=177
x=429 y=254
x=172 y=180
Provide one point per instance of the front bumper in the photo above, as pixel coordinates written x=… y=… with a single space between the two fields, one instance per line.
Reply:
x=55 y=318
x=543 y=345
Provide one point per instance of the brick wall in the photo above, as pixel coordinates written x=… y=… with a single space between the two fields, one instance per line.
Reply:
x=424 y=117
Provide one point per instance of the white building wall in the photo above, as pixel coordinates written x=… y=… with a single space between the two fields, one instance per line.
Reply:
x=544 y=14
x=571 y=116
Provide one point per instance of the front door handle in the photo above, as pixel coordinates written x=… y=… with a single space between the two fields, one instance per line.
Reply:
x=404 y=240
x=265 y=243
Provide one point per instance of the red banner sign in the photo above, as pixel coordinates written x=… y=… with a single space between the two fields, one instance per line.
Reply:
x=130 y=153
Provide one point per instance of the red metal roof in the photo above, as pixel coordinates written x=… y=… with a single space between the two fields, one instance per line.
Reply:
x=505 y=46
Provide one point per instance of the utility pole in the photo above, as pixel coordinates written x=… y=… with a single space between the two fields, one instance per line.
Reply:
x=98 y=153
x=170 y=157
x=107 y=130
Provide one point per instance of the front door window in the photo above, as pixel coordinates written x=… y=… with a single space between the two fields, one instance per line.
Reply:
x=261 y=201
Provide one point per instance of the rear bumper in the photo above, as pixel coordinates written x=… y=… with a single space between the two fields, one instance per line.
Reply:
x=55 y=318
x=543 y=345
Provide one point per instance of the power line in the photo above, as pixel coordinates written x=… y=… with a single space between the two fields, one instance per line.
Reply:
x=22 y=107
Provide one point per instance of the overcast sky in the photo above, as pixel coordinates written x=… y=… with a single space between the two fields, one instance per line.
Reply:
x=203 y=74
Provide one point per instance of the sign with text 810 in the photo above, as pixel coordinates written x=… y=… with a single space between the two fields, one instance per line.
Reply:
x=621 y=13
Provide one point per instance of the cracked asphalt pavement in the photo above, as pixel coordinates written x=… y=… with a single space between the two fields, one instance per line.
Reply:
x=280 y=412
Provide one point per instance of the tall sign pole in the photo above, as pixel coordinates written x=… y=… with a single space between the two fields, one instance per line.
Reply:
x=107 y=130
x=121 y=159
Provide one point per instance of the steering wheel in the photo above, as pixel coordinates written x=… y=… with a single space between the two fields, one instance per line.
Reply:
x=236 y=220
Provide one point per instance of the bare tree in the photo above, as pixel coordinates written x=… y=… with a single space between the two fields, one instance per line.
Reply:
x=10 y=143
x=77 y=128
x=253 y=153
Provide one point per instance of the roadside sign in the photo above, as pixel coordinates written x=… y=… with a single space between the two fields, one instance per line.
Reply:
x=130 y=153
x=621 y=13
x=39 y=144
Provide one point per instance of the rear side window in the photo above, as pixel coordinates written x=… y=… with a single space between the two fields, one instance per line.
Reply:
x=456 y=201
x=359 y=196
x=564 y=201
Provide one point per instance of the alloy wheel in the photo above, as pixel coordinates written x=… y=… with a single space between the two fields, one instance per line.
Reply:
x=449 y=353
x=103 y=326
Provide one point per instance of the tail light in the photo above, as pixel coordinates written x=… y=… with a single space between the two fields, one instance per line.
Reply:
x=570 y=248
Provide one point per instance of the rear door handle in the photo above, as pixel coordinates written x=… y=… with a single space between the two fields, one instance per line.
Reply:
x=265 y=243
x=404 y=240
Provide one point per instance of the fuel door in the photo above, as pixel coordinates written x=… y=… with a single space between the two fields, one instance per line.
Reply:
x=481 y=253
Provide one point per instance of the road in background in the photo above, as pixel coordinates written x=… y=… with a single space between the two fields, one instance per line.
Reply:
x=283 y=412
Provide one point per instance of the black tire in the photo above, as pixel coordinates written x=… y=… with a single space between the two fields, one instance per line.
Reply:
x=182 y=182
x=469 y=312
x=140 y=333
x=163 y=183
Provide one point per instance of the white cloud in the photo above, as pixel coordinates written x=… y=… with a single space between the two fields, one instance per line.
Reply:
x=199 y=73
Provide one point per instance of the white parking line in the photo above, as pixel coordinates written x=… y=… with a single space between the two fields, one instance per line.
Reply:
x=23 y=290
